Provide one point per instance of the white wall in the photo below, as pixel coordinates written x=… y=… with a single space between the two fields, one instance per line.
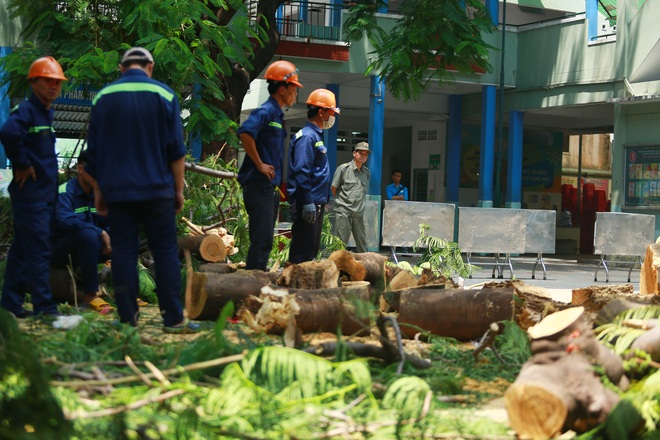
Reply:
x=422 y=149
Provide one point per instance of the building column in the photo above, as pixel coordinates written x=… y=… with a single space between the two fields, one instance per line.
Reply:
x=376 y=127
x=453 y=152
x=330 y=136
x=514 y=158
x=487 y=147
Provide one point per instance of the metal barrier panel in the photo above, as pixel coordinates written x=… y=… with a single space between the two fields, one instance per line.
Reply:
x=401 y=220
x=620 y=233
x=541 y=231
x=371 y=220
x=492 y=230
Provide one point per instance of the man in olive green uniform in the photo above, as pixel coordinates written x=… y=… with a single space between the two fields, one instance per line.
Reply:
x=349 y=186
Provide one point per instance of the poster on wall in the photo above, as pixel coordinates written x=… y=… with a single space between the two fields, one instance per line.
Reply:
x=641 y=175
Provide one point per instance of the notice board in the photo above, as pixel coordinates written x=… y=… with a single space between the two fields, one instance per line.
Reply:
x=642 y=175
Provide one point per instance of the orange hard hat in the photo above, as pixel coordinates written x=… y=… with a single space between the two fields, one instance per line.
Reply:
x=283 y=71
x=46 y=67
x=323 y=98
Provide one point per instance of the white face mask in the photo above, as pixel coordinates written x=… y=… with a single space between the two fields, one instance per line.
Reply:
x=329 y=123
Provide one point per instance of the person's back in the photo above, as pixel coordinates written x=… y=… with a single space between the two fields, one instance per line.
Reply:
x=135 y=116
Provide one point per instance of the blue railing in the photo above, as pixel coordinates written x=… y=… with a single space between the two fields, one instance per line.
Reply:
x=309 y=20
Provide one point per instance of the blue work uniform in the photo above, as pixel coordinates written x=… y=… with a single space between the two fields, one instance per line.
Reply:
x=29 y=141
x=392 y=190
x=135 y=134
x=77 y=230
x=266 y=126
x=308 y=181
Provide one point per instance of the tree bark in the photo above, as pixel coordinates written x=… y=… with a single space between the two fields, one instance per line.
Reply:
x=63 y=287
x=455 y=313
x=209 y=247
x=317 y=274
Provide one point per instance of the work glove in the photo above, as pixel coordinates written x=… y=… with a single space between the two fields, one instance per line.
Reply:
x=309 y=213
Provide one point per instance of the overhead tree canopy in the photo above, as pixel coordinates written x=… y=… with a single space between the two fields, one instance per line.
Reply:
x=209 y=51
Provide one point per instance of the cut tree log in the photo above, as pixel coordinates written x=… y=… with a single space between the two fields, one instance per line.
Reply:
x=63 y=287
x=317 y=310
x=208 y=247
x=208 y=292
x=219 y=268
x=455 y=313
x=557 y=389
x=367 y=266
x=317 y=274
x=648 y=277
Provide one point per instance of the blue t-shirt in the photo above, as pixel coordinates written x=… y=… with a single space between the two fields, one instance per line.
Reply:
x=266 y=126
x=29 y=141
x=308 y=177
x=392 y=190
x=135 y=133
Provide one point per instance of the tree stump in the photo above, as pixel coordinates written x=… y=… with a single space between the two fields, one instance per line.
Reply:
x=557 y=389
x=208 y=247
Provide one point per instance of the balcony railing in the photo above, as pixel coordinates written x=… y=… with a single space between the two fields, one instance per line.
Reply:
x=309 y=20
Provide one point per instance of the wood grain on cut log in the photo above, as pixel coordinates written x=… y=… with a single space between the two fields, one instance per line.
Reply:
x=317 y=274
x=648 y=278
x=456 y=313
x=208 y=247
x=210 y=292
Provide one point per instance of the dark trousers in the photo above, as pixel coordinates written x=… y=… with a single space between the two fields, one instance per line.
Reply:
x=159 y=222
x=305 y=237
x=28 y=261
x=86 y=250
x=261 y=206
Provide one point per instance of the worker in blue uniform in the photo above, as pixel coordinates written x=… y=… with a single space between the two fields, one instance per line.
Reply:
x=80 y=236
x=29 y=141
x=308 y=177
x=136 y=158
x=262 y=136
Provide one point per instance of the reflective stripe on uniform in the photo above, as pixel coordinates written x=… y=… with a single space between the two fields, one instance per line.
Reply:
x=39 y=128
x=134 y=87
x=275 y=124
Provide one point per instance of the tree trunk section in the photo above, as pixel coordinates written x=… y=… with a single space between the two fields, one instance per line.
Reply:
x=317 y=274
x=455 y=313
x=551 y=396
x=367 y=266
x=327 y=310
x=558 y=388
x=63 y=287
x=210 y=292
x=209 y=247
